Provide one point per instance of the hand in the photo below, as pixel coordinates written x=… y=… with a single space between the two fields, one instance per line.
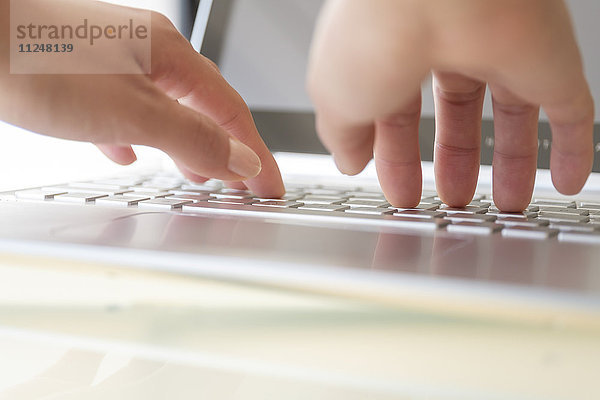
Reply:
x=370 y=57
x=182 y=106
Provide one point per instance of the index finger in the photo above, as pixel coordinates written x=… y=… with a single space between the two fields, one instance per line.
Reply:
x=192 y=79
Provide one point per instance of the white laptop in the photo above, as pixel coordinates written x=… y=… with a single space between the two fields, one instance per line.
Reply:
x=330 y=234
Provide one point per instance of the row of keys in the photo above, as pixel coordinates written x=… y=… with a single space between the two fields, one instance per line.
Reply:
x=542 y=219
x=567 y=211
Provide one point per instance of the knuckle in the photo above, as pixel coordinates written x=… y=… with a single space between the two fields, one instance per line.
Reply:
x=164 y=34
x=514 y=110
x=518 y=29
x=161 y=21
x=397 y=163
x=235 y=120
x=457 y=151
x=212 y=64
x=407 y=118
x=521 y=154
x=459 y=97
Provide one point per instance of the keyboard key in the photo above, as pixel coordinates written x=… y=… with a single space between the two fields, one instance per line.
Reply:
x=150 y=189
x=568 y=211
x=95 y=185
x=321 y=200
x=231 y=194
x=553 y=203
x=575 y=227
x=420 y=224
x=474 y=218
x=463 y=210
x=323 y=207
x=421 y=206
x=120 y=201
x=589 y=206
x=365 y=196
x=36 y=194
x=326 y=192
x=67 y=189
x=78 y=198
x=530 y=222
x=530 y=208
x=430 y=200
x=287 y=196
x=580 y=237
x=369 y=211
x=521 y=215
x=478 y=203
x=231 y=200
x=192 y=197
x=159 y=186
x=474 y=228
x=345 y=188
x=366 y=203
x=209 y=186
x=162 y=204
x=420 y=214
x=525 y=232
x=178 y=192
x=277 y=203
x=557 y=217
x=235 y=192
x=123 y=182
x=301 y=187
x=149 y=195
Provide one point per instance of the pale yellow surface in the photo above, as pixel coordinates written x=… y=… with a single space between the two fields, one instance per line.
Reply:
x=74 y=331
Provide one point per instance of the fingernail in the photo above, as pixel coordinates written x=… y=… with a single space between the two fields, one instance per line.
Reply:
x=242 y=160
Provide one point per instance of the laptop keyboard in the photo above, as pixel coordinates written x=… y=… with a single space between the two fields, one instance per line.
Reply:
x=544 y=219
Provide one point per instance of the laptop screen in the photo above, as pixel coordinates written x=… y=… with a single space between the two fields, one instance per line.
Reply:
x=261 y=47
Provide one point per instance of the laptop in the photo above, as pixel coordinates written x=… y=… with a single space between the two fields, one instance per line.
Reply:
x=330 y=234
